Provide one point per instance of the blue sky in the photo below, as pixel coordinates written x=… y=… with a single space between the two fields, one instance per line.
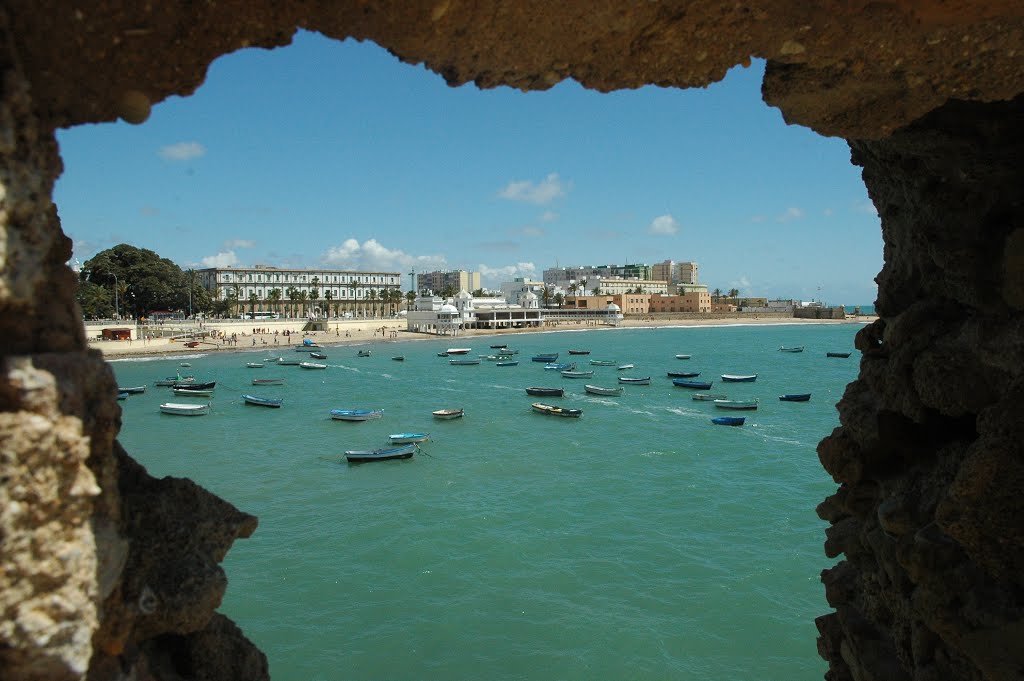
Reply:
x=336 y=154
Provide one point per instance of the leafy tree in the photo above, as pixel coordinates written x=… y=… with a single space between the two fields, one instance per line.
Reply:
x=144 y=281
x=253 y=299
x=448 y=291
x=410 y=298
x=293 y=295
x=559 y=299
x=545 y=296
x=371 y=295
x=479 y=293
x=717 y=293
x=328 y=296
x=96 y=301
x=275 y=298
x=596 y=291
x=734 y=292
x=303 y=296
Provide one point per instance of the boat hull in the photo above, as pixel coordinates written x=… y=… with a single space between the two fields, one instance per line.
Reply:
x=635 y=381
x=267 y=381
x=553 y=410
x=258 y=401
x=385 y=454
x=546 y=392
x=837 y=354
x=448 y=414
x=803 y=397
x=746 y=405
x=728 y=420
x=733 y=378
x=356 y=414
x=180 y=409
x=606 y=392
x=692 y=385
x=408 y=438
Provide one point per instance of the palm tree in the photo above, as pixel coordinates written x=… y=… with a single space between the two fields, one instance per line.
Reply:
x=573 y=288
x=716 y=294
x=559 y=299
x=328 y=296
x=237 y=288
x=734 y=293
x=371 y=295
x=596 y=290
x=314 y=290
x=410 y=298
x=545 y=296
x=303 y=297
x=293 y=294
x=353 y=285
x=232 y=301
x=253 y=298
x=275 y=298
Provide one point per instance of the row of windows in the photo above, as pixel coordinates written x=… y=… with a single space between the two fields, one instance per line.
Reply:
x=301 y=278
x=336 y=293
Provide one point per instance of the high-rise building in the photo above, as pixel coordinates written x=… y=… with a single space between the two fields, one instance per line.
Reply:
x=438 y=281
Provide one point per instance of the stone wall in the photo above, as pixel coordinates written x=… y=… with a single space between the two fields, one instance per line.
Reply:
x=110 y=574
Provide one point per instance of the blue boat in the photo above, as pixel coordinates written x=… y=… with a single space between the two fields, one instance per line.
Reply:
x=728 y=420
x=273 y=402
x=551 y=357
x=683 y=374
x=383 y=454
x=692 y=385
x=122 y=395
x=507 y=364
x=795 y=397
x=356 y=414
x=560 y=366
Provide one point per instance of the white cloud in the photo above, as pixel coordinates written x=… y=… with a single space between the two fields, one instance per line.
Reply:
x=240 y=243
x=828 y=212
x=492 y=277
x=545 y=191
x=182 y=151
x=548 y=216
x=792 y=213
x=663 y=224
x=532 y=231
x=743 y=284
x=222 y=259
x=372 y=255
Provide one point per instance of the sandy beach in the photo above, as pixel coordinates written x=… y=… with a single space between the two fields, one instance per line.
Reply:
x=393 y=330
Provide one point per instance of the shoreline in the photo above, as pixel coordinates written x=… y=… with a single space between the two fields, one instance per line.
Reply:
x=392 y=332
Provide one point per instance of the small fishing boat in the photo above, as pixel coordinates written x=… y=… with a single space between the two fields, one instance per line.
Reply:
x=442 y=354
x=363 y=353
x=122 y=396
x=288 y=362
x=273 y=402
x=837 y=354
x=739 y=378
x=356 y=414
x=692 y=385
x=459 y=351
x=607 y=392
x=736 y=404
x=172 y=380
x=577 y=374
x=271 y=360
x=553 y=410
x=192 y=385
x=646 y=380
x=254 y=365
x=464 y=361
x=603 y=362
x=795 y=397
x=798 y=348
x=683 y=374
x=507 y=351
x=399 y=358
x=312 y=365
x=180 y=409
x=408 y=438
x=194 y=393
x=623 y=367
x=383 y=454
x=560 y=366
x=186 y=364
x=682 y=357
x=579 y=352
x=133 y=391
x=489 y=358
x=509 y=363
x=317 y=355
x=545 y=392
x=446 y=414
x=728 y=420
x=546 y=358
x=708 y=397
x=267 y=381
x=499 y=347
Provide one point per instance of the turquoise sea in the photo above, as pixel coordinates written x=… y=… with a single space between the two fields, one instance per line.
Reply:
x=637 y=542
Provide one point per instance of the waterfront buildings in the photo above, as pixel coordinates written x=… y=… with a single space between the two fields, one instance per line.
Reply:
x=439 y=281
x=319 y=292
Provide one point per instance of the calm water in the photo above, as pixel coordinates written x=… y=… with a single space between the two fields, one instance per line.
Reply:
x=638 y=542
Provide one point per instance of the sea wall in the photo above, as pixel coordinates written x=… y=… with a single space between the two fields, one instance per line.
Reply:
x=111 y=574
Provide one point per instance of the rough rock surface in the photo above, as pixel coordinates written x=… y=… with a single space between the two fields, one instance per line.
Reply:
x=109 y=574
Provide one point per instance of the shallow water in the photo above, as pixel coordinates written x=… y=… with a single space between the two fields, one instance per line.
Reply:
x=637 y=542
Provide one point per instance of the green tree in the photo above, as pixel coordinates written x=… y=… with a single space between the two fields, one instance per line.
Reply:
x=329 y=297
x=734 y=292
x=545 y=296
x=410 y=298
x=479 y=293
x=448 y=291
x=573 y=288
x=293 y=295
x=596 y=290
x=303 y=296
x=236 y=288
x=96 y=302
x=275 y=299
x=314 y=291
x=716 y=294
x=559 y=299
x=353 y=287
x=371 y=295
x=144 y=281
x=253 y=299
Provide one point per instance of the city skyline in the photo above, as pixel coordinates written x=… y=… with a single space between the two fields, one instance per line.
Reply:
x=374 y=164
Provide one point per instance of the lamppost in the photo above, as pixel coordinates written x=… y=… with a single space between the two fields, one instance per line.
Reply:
x=117 y=310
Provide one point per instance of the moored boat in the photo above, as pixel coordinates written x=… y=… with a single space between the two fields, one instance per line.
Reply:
x=122 y=396
x=547 y=358
x=399 y=358
x=356 y=414
x=317 y=355
x=646 y=380
x=577 y=374
x=623 y=367
x=312 y=365
x=560 y=366
x=728 y=420
x=446 y=414
x=507 y=351
x=134 y=390
x=499 y=346
x=509 y=363
x=739 y=378
x=184 y=385
x=837 y=354
x=603 y=362
x=798 y=348
x=199 y=392
x=795 y=397
x=708 y=397
x=607 y=392
x=382 y=454
x=465 y=361
x=682 y=357
x=459 y=351
x=171 y=380
x=408 y=438
x=254 y=365
x=267 y=381
x=273 y=402
x=683 y=374
x=288 y=362
x=363 y=353
x=736 y=404
x=545 y=392
x=692 y=385
x=554 y=410
x=181 y=409
x=579 y=352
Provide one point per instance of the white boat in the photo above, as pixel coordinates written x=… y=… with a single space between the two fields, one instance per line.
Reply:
x=577 y=374
x=181 y=409
x=467 y=362
x=312 y=365
x=622 y=367
x=356 y=414
x=288 y=362
x=254 y=365
x=184 y=364
x=449 y=413
x=736 y=404
x=739 y=378
x=607 y=392
x=408 y=438
x=363 y=353
x=708 y=397
x=646 y=380
x=459 y=351
x=197 y=393
x=682 y=357
x=383 y=454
